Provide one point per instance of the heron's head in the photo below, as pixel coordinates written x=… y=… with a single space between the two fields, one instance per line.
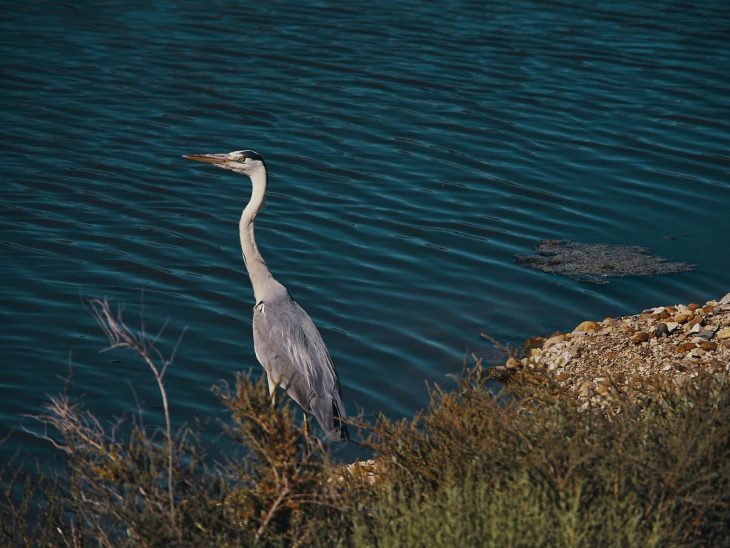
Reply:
x=246 y=162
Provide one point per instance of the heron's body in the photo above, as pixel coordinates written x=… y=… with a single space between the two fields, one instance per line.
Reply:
x=286 y=341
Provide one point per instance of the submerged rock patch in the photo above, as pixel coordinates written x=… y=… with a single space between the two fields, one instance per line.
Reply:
x=595 y=263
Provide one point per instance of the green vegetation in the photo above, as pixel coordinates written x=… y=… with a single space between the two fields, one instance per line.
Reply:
x=518 y=468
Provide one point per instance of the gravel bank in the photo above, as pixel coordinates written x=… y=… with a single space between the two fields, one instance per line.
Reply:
x=626 y=356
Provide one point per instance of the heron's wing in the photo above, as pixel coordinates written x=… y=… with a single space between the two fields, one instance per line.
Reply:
x=292 y=351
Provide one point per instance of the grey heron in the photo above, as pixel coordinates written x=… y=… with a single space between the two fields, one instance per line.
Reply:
x=286 y=341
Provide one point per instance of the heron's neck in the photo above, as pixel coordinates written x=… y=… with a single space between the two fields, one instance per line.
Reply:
x=264 y=284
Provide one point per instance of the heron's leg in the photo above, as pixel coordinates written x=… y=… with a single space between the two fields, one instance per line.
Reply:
x=305 y=425
x=272 y=390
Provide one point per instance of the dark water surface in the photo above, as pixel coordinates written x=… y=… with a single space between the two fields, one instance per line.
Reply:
x=413 y=151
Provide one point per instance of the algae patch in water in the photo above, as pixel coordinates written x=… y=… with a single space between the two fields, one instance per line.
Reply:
x=595 y=263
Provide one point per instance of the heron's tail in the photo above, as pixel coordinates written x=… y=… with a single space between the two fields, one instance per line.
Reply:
x=331 y=419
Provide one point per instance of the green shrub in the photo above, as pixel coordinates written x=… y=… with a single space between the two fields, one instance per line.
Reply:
x=474 y=462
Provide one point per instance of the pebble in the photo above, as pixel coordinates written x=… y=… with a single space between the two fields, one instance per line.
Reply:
x=681 y=317
x=534 y=342
x=640 y=337
x=661 y=331
x=512 y=363
x=696 y=328
x=695 y=321
x=585 y=327
x=696 y=353
x=725 y=299
x=585 y=389
x=723 y=333
x=553 y=341
x=708 y=345
x=671 y=327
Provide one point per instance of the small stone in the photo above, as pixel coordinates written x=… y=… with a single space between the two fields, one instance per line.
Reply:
x=563 y=376
x=708 y=308
x=723 y=333
x=682 y=317
x=689 y=345
x=585 y=327
x=663 y=315
x=671 y=310
x=602 y=389
x=555 y=339
x=694 y=320
x=708 y=346
x=708 y=332
x=534 y=342
x=725 y=299
x=693 y=306
x=585 y=389
x=661 y=331
x=671 y=327
x=696 y=328
x=640 y=337
x=512 y=363
x=680 y=349
x=696 y=353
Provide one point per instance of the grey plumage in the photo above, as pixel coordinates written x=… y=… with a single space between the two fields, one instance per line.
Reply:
x=296 y=358
x=286 y=341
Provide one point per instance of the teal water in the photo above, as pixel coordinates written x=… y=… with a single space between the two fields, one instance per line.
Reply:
x=413 y=150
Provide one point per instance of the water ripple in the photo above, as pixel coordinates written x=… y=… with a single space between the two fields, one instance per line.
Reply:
x=414 y=149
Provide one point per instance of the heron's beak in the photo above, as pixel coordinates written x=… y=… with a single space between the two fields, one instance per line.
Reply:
x=208 y=158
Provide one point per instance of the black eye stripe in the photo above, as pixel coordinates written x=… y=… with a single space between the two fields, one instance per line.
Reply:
x=251 y=154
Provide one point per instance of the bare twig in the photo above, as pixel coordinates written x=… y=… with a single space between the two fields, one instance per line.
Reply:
x=272 y=511
x=120 y=336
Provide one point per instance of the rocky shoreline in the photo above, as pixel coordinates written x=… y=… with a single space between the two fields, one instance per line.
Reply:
x=626 y=356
